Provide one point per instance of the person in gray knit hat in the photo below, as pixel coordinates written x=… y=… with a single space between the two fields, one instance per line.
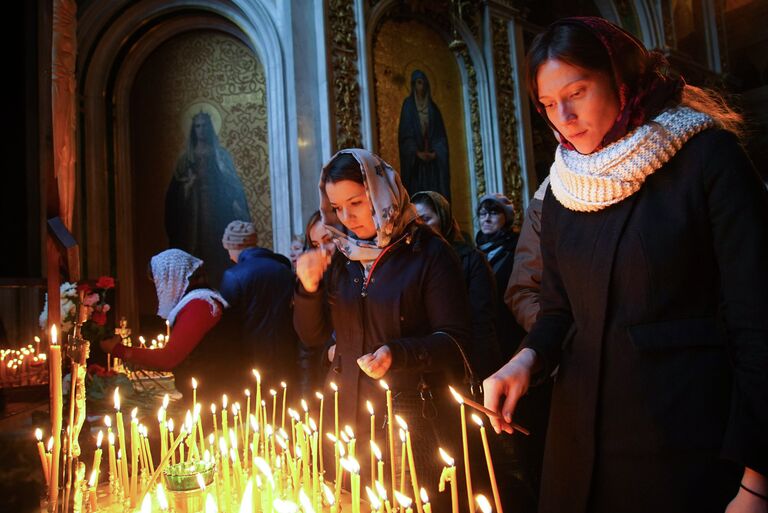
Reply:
x=259 y=290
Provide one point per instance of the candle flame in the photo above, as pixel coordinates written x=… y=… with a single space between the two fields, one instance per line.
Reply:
x=283 y=384
x=381 y=491
x=446 y=458
x=213 y=408
x=342 y=451
x=402 y=435
x=162 y=500
x=223 y=445
x=134 y=412
x=92 y=480
x=383 y=384
x=483 y=503
x=99 y=439
x=477 y=420
x=37 y=339
x=370 y=408
x=304 y=406
x=373 y=498
x=170 y=425
x=331 y=437
x=404 y=501
x=224 y=401
x=401 y=422
x=263 y=467
x=116 y=398
x=424 y=496
x=254 y=423
x=349 y=431
x=210 y=504
x=160 y=414
x=166 y=401
x=247 y=392
x=39 y=434
x=54 y=335
x=284 y=506
x=272 y=392
x=306 y=504
x=376 y=450
x=50 y=444
x=319 y=395
x=334 y=386
x=200 y=481
x=232 y=438
x=312 y=424
x=146 y=504
x=211 y=439
x=256 y=375
x=350 y=465
x=111 y=438
x=246 y=506
x=344 y=437
x=329 y=498
x=456 y=395
x=194 y=384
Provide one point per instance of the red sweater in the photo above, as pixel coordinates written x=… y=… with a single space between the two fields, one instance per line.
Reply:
x=192 y=323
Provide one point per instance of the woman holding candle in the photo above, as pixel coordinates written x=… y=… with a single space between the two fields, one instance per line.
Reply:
x=202 y=344
x=654 y=242
x=394 y=296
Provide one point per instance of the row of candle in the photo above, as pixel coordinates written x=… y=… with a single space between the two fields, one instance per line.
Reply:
x=22 y=367
x=271 y=463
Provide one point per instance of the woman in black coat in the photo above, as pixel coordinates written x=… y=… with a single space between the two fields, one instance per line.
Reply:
x=394 y=296
x=654 y=243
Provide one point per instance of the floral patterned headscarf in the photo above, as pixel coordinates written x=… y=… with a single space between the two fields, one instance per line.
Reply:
x=391 y=207
x=171 y=271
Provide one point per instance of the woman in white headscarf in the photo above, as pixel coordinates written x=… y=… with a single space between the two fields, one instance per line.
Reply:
x=198 y=346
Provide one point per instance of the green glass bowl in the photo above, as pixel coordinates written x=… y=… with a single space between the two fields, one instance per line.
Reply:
x=182 y=477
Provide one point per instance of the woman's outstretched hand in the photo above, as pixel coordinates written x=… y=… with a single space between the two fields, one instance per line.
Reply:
x=376 y=364
x=310 y=268
x=506 y=386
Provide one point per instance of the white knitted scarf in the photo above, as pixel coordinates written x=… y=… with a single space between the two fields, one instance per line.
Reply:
x=588 y=183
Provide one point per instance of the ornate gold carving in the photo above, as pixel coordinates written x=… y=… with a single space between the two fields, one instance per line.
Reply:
x=346 y=87
x=474 y=117
x=505 y=98
x=63 y=100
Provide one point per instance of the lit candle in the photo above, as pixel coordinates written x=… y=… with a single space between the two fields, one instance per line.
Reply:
x=41 y=450
x=425 y=501
x=134 y=456
x=489 y=463
x=92 y=482
x=54 y=379
x=285 y=393
x=373 y=437
x=411 y=464
x=170 y=437
x=258 y=397
x=96 y=467
x=377 y=452
x=215 y=425
x=225 y=471
x=161 y=424
x=162 y=500
x=273 y=393
x=404 y=501
x=330 y=500
x=320 y=429
x=148 y=449
x=449 y=474
x=351 y=466
x=194 y=393
x=403 y=455
x=167 y=331
x=112 y=466
x=465 y=445
x=123 y=445
x=224 y=403
x=247 y=426
x=381 y=490
x=391 y=432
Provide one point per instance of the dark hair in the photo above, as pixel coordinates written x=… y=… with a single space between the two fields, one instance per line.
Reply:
x=313 y=219
x=491 y=206
x=577 y=46
x=343 y=167
x=573 y=43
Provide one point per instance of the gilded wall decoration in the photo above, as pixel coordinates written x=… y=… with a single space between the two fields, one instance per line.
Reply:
x=345 y=74
x=505 y=101
x=210 y=79
x=402 y=47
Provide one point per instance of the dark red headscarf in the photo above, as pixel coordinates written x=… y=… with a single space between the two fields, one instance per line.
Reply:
x=643 y=92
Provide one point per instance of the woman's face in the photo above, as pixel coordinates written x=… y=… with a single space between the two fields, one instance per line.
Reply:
x=320 y=237
x=428 y=216
x=350 y=202
x=491 y=220
x=297 y=248
x=580 y=103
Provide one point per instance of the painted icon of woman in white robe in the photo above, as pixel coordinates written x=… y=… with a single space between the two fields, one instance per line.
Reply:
x=204 y=196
